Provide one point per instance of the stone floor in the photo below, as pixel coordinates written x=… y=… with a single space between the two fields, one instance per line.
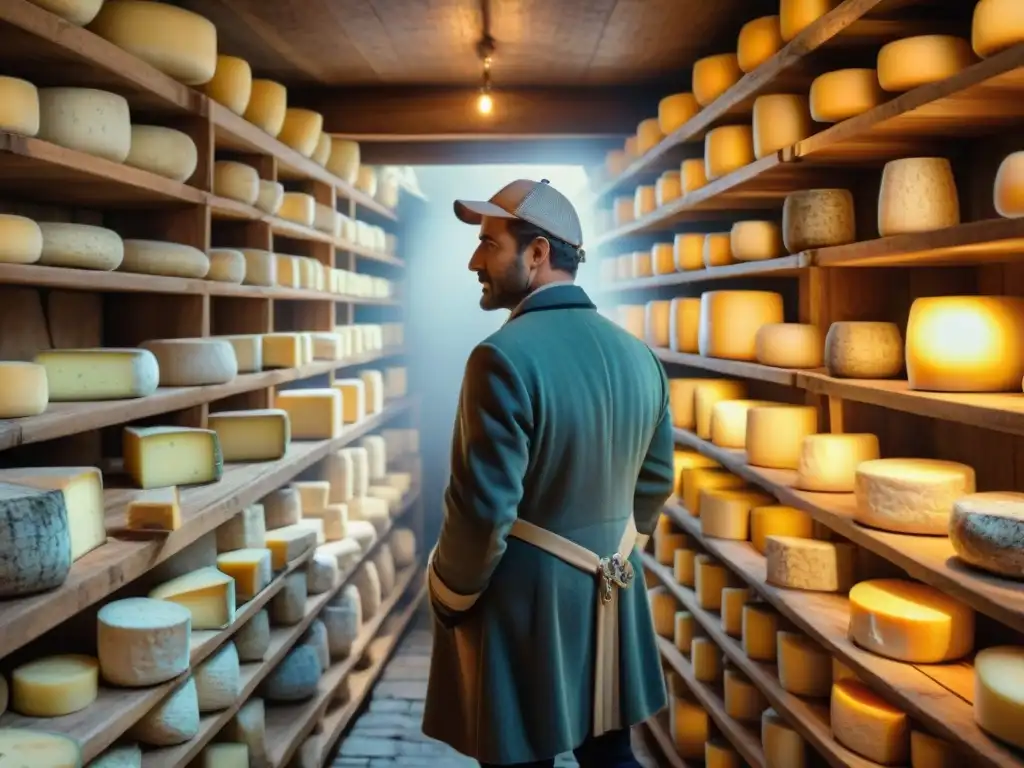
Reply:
x=388 y=732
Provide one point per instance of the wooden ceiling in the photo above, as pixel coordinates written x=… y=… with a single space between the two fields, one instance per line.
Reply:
x=433 y=42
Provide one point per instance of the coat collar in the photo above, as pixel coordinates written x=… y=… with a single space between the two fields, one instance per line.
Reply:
x=553 y=296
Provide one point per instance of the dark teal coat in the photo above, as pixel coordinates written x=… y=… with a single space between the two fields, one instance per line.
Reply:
x=563 y=420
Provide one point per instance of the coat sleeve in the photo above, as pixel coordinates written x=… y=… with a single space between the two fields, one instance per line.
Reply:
x=490 y=454
x=655 y=481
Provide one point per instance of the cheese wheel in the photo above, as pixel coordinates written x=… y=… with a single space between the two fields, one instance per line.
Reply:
x=86 y=120
x=643 y=265
x=998 y=682
x=689 y=251
x=150 y=257
x=706 y=659
x=743 y=701
x=729 y=422
x=21 y=240
x=683 y=459
x=807 y=564
x=714 y=75
x=909 y=621
x=789 y=345
x=23 y=389
x=680 y=400
x=632 y=319
x=19 y=106
x=693 y=175
x=260 y=267
x=783 y=746
x=910 y=495
x=780 y=120
x=760 y=623
x=756 y=240
x=663 y=258
x=828 y=463
x=775 y=434
x=322 y=154
x=934 y=57
x=776 y=520
x=733 y=600
x=615 y=162
x=301 y=130
x=143 y=642
x=707 y=394
x=668 y=188
x=845 y=93
x=684 y=568
x=918 y=194
x=684 y=325
x=268 y=103
x=726 y=149
x=236 y=181
x=344 y=160
x=298 y=207
x=863 y=350
x=80 y=246
x=695 y=480
x=231 y=84
x=818 y=218
x=718 y=250
x=52 y=686
x=797 y=15
x=966 y=344
x=178 y=42
x=725 y=512
x=163 y=151
x=805 y=668
x=986 y=531
x=77 y=12
x=675 y=111
x=30 y=748
x=648 y=135
x=656 y=323
x=689 y=726
x=645 y=201
x=730 y=320
x=997 y=25
x=193 y=362
x=759 y=40
x=867 y=724
x=226 y=266
x=1009 y=187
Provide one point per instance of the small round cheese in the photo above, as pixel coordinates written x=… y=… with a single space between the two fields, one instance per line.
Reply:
x=1009 y=187
x=756 y=241
x=998 y=701
x=87 y=120
x=808 y=564
x=645 y=201
x=707 y=394
x=648 y=135
x=987 y=532
x=910 y=495
x=622 y=211
x=828 y=463
x=797 y=15
x=143 y=642
x=236 y=181
x=845 y=93
x=778 y=520
x=775 y=434
x=789 y=345
x=301 y=130
x=780 y=120
x=743 y=700
x=818 y=218
x=714 y=75
x=226 y=266
x=19 y=106
x=726 y=149
x=23 y=389
x=30 y=748
x=805 y=668
x=718 y=249
x=231 y=84
x=675 y=111
x=729 y=422
x=725 y=512
x=656 y=323
x=759 y=40
x=915 y=61
x=643 y=265
x=867 y=724
x=730 y=320
x=863 y=350
x=52 y=686
x=163 y=151
x=684 y=325
x=21 y=240
x=693 y=175
x=152 y=257
x=689 y=251
x=918 y=194
x=344 y=160
x=783 y=746
x=997 y=25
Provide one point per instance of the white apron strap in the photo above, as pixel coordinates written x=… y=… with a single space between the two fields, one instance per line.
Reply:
x=613 y=573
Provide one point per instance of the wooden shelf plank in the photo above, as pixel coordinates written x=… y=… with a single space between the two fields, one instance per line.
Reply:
x=738 y=368
x=205 y=507
x=288 y=725
x=825 y=617
x=662 y=734
x=281 y=641
x=117 y=709
x=928 y=558
x=63 y=419
x=785 y=266
x=736 y=733
x=808 y=716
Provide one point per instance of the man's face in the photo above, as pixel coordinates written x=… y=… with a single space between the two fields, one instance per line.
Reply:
x=500 y=266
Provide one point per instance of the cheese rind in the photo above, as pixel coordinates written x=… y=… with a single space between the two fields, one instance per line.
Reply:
x=301 y=130
x=863 y=350
x=281 y=508
x=218 y=680
x=805 y=668
x=816 y=566
x=152 y=257
x=227 y=265
x=996 y=26
x=173 y=721
x=910 y=495
x=828 y=462
x=756 y=241
x=918 y=194
x=729 y=422
x=208 y=593
x=909 y=621
x=21 y=239
x=193 y=362
x=706 y=659
x=288 y=543
x=730 y=320
x=987 y=532
x=710 y=578
x=689 y=725
x=717 y=250
x=142 y=642
x=775 y=434
x=87 y=120
x=298 y=207
x=295 y=678
x=725 y=513
x=77 y=12
x=743 y=701
x=231 y=84
x=674 y=111
x=789 y=345
x=23 y=389
x=80 y=246
x=818 y=218
x=163 y=151
x=259 y=435
x=35 y=540
x=796 y=15
x=775 y=520
x=783 y=746
x=781 y=120
x=53 y=686
x=87 y=375
x=236 y=181
x=935 y=57
x=760 y=623
x=927 y=751
x=733 y=600
x=155 y=457
x=845 y=93
x=998 y=682
x=865 y=723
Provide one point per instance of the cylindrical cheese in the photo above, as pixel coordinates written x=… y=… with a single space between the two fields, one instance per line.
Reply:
x=818 y=218
x=268 y=103
x=231 y=84
x=776 y=520
x=726 y=149
x=706 y=659
x=997 y=25
x=322 y=154
x=668 y=188
x=236 y=181
x=863 y=350
x=21 y=240
x=692 y=175
x=756 y=240
x=810 y=565
x=760 y=623
x=789 y=345
x=828 y=463
x=986 y=531
x=729 y=321
x=780 y=120
x=909 y=621
x=966 y=344
x=193 y=362
x=344 y=160
x=759 y=40
x=684 y=569
x=680 y=399
x=805 y=668
x=915 y=61
x=743 y=700
x=707 y=394
x=910 y=495
x=663 y=258
x=725 y=512
x=19 y=106
x=23 y=389
x=298 y=207
x=632 y=318
x=52 y=686
x=733 y=600
x=867 y=724
x=648 y=135
x=675 y=111
x=718 y=250
x=622 y=211
x=142 y=642
x=775 y=434
x=918 y=194
x=690 y=725
x=689 y=251
x=87 y=120
x=77 y=12
x=714 y=75
x=684 y=325
x=301 y=130
x=656 y=323
x=685 y=626
x=226 y=265
x=663 y=610
x=729 y=422
x=645 y=201
x=998 y=683
x=152 y=257
x=783 y=746
x=796 y=15
x=366 y=180
x=1009 y=187
x=845 y=93
x=163 y=151
x=643 y=265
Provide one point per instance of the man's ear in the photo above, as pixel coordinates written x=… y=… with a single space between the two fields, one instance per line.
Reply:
x=539 y=251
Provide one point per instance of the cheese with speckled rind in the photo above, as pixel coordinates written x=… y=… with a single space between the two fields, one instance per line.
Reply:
x=87 y=120
x=174 y=720
x=987 y=532
x=343 y=617
x=86 y=375
x=910 y=495
x=863 y=350
x=818 y=218
x=935 y=58
x=252 y=640
x=153 y=257
x=218 y=679
x=118 y=756
x=816 y=566
x=918 y=194
x=163 y=151
x=80 y=246
x=295 y=678
x=142 y=642
x=35 y=540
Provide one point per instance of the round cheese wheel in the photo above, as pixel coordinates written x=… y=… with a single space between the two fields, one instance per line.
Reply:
x=915 y=61
x=729 y=321
x=19 y=106
x=23 y=389
x=756 y=240
x=675 y=111
x=163 y=151
x=863 y=350
x=818 y=218
x=268 y=102
x=615 y=162
x=789 y=345
x=998 y=681
x=86 y=120
x=918 y=194
x=997 y=25
x=718 y=249
x=845 y=93
x=714 y=75
x=759 y=40
x=142 y=641
x=21 y=240
x=780 y=120
x=344 y=160
x=1009 y=187
x=987 y=532
x=151 y=257
x=689 y=251
x=231 y=84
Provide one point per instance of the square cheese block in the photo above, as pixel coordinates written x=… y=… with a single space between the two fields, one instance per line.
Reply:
x=372 y=510
x=288 y=543
x=314 y=524
x=155 y=457
x=315 y=414
x=353 y=399
x=246 y=530
x=314 y=495
x=155 y=510
x=86 y=375
x=209 y=594
x=327 y=346
x=281 y=507
x=374 y=383
x=82 y=488
x=248 y=351
x=283 y=350
x=250 y=568
x=336 y=469
x=334 y=518
x=258 y=435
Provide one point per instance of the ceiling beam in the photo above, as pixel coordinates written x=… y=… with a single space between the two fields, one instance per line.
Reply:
x=488 y=151
x=450 y=113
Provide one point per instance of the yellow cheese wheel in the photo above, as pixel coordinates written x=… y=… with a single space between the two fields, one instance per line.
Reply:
x=663 y=610
x=231 y=84
x=77 y=12
x=775 y=434
x=19 y=106
x=733 y=600
x=689 y=251
x=805 y=668
x=708 y=394
x=1009 y=187
x=727 y=149
x=997 y=25
x=756 y=241
x=729 y=321
x=915 y=61
x=999 y=693
x=268 y=103
x=743 y=700
x=714 y=75
x=783 y=746
x=780 y=120
x=918 y=194
x=828 y=463
x=684 y=570
x=645 y=201
x=706 y=659
x=777 y=520
x=718 y=249
x=648 y=135
x=845 y=93
x=656 y=322
x=685 y=325
x=789 y=345
x=301 y=130
x=796 y=15
x=642 y=264
x=675 y=111
x=867 y=724
x=927 y=751
x=759 y=40
x=344 y=160
x=622 y=211
x=729 y=422
x=668 y=188
x=663 y=258
x=692 y=175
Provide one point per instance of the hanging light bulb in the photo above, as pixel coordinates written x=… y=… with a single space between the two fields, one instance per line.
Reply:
x=485 y=102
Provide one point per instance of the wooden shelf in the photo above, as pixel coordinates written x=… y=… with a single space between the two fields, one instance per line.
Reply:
x=808 y=716
x=287 y=726
x=739 y=368
x=736 y=733
x=825 y=617
x=117 y=709
x=203 y=508
x=281 y=641
x=659 y=729
x=63 y=419
x=928 y=558
x=841 y=28
x=786 y=266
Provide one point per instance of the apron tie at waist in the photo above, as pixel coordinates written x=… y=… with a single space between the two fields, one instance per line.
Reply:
x=613 y=573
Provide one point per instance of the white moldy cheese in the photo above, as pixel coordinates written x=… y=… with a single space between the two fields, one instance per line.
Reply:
x=863 y=350
x=987 y=532
x=818 y=218
x=910 y=495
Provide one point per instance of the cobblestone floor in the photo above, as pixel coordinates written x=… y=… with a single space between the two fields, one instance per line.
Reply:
x=388 y=733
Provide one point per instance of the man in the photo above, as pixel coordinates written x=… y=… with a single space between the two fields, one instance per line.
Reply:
x=561 y=461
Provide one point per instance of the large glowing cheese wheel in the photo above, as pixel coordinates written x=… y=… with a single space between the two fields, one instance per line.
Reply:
x=759 y=40
x=780 y=120
x=966 y=344
x=615 y=163
x=918 y=194
x=730 y=320
x=726 y=149
x=796 y=15
x=684 y=321
x=845 y=93
x=692 y=175
x=268 y=103
x=648 y=135
x=675 y=111
x=689 y=251
x=915 y=61
x=1009 y=187
x=178 y=42
x=998 y=25
x=999 y=692
x=231 y=84
x=714 y=75
x=818 y=218
x=756 y=240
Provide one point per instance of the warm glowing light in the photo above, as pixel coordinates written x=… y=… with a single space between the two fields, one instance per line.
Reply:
x=484 y=104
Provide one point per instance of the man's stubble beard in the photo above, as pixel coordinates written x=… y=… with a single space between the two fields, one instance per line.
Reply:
x=515 y=286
